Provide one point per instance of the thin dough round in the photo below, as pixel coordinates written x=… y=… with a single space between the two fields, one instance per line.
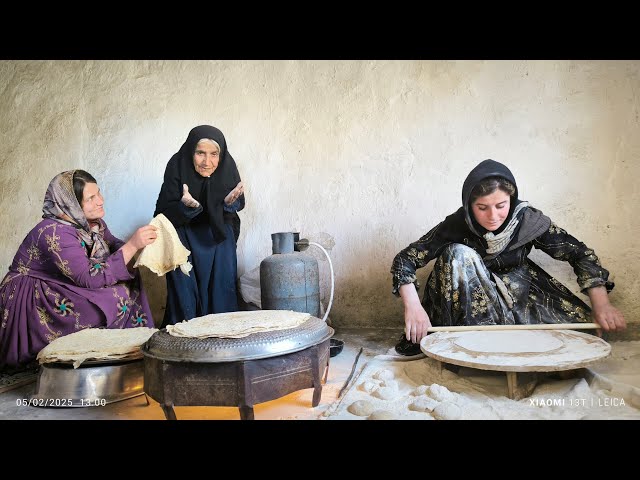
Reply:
x=506 y=341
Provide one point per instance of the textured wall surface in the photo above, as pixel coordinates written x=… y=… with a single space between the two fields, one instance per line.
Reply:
x=362 y=156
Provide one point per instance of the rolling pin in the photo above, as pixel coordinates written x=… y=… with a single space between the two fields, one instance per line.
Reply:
x=539 y=326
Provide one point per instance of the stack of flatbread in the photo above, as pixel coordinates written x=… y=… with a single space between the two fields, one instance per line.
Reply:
x=96 y=344
x=167 y=252
x=237 y=324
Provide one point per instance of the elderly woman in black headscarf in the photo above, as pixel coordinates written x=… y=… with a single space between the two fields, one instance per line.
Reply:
x=482 y=274
x=201 y=196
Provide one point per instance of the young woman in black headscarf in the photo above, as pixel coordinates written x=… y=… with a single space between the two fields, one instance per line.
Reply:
x=201 y=195
x=482 y=274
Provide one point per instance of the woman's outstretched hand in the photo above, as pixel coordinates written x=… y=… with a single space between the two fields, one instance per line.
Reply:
x=187 y=199
x=234 y=194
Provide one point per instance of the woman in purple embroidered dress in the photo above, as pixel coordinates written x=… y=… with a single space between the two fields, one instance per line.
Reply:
x=70 y=273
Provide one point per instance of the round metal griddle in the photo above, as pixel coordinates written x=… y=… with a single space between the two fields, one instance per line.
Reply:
x=241 y=372
x=164 y=346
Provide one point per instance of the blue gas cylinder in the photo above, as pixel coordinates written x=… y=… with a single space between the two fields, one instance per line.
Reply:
x=289 y=280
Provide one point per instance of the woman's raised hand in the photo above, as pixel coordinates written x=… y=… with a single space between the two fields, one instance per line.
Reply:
x=234 y=194
x=187 y=199
x=143 y=236
x=140 y=239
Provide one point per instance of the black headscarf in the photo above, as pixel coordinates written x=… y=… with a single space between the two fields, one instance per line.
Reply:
x=209 y=191
x=486 y=169
x=461 y=226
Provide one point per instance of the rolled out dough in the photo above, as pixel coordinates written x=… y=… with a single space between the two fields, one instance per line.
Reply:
x=505 y=341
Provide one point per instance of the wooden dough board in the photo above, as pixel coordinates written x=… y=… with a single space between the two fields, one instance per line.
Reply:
x=515 y=351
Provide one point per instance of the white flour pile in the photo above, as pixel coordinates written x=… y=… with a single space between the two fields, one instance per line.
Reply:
x=398 y=388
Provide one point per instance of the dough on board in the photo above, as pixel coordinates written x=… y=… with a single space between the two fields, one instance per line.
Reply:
x=505 y=341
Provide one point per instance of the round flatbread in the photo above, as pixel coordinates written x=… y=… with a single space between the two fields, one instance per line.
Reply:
x=96 y=344
x=167 y=252
x=238 y=324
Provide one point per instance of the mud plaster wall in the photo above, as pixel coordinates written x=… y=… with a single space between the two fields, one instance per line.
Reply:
x=362 y=156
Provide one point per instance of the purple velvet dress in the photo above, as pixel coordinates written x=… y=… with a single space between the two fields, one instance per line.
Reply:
x=54 y=289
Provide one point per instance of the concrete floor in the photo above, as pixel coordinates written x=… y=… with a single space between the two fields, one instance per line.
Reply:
x=295 y=406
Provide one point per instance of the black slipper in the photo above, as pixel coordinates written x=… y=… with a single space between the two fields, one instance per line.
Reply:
x=406 y=348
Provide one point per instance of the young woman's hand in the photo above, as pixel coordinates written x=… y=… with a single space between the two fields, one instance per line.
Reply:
x=416 y=323
x=609 y=317
x=416 y=320
x=605 y=314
